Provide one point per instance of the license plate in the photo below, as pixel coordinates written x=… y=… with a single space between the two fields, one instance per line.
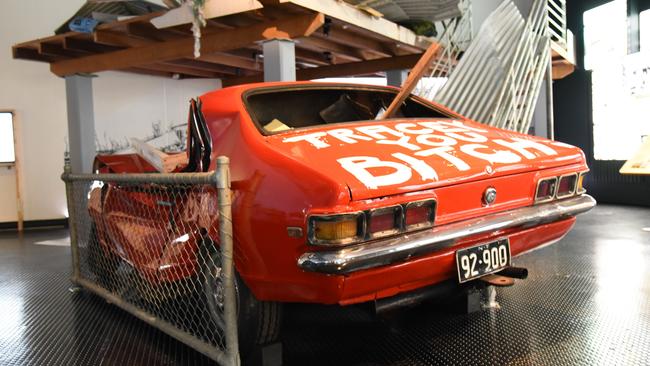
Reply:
x=482 y=259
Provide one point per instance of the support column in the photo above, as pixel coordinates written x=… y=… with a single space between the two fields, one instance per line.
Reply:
x=550 y=117
x=81 y=122
x=396 y=77
x=279 y=60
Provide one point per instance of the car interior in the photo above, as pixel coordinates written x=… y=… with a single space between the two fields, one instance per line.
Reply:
x=278 y=110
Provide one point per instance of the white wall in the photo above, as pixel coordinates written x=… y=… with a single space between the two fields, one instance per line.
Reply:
x=125 y=106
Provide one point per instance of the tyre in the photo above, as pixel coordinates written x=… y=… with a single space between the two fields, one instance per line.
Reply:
x=101 y=262
x=258 y=321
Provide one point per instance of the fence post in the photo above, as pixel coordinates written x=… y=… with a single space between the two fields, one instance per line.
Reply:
x=72 y=223
x=227 y=259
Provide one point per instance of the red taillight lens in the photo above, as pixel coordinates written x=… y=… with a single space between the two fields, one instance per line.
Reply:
x=419 y=214
x=546 y=190
x=381 y=223
x=384 y=221
x=567 y=185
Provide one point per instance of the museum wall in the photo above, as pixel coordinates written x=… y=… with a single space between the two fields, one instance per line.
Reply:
x=126 y=106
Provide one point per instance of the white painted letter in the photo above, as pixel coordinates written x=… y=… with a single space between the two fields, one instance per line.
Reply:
x=498 y=156
x=377 y=130
x=429 y=140
x=424 y=169
x=444 y=152
x=312 y=138
x=523 y=145
x=347 y=136
x=402 y=141
x=359 y=167
x=406 y=128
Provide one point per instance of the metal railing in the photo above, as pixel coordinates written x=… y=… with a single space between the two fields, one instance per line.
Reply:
x=557 y=24
x=160 y=247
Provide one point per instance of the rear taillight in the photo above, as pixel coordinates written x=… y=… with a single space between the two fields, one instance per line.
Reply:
x=546 y=190
x=419 y=214
x=567 y=186
x=345 y=229
x=560 y=187
x=384 y=221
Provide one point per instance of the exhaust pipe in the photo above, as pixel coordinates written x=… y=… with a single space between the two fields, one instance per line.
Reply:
x=514 y=272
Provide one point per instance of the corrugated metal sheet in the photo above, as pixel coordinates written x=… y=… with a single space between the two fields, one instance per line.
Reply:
x=405 y=10
x=498 y=79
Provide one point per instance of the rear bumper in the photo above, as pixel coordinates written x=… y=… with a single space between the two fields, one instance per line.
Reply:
x=388 y=251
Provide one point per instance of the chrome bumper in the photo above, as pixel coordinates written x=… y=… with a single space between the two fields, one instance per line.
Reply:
x=386 y=251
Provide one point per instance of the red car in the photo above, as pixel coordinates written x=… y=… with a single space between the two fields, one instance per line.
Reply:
x=334 y=206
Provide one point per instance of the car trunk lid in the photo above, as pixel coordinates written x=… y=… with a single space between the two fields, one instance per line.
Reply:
x=383 y=158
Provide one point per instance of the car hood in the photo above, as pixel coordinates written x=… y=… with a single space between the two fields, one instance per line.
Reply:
x=382 y=158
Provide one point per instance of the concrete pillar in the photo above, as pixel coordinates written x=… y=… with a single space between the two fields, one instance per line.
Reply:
x=279 y=60
x=81 y=122
x=396 y=77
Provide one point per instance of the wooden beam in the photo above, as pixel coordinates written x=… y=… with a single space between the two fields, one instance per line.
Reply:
x=162 y=51
x=222 y=58
x=340 y=70
x=322 y=45
x=346 y=38
x=350 y=14
x=58 y=50
x=312 y=57
x=26 y=53
x=180 y=69
x=206 y=66
x=114 y=38
x=227 y=59
x=423 y=64
x=76 y=44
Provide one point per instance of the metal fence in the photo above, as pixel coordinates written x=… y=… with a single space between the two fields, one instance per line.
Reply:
x=160 y=247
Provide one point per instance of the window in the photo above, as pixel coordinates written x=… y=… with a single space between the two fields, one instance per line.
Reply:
x=276 y=110
x=644 y=30
x=620 y=88
x=7 y=155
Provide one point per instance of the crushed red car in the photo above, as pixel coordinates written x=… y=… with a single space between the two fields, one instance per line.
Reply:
x=334 y=206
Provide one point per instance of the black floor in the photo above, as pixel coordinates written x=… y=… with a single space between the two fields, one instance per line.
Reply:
x=586 y=301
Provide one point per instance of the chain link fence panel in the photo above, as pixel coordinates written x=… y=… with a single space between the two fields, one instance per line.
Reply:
x=160 y=247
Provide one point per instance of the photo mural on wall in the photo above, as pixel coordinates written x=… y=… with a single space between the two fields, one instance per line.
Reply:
x=171 y=137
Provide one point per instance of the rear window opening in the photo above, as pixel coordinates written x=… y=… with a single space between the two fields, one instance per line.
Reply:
x=276 y=110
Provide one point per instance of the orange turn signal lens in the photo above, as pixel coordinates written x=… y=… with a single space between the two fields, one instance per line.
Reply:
x=331 y=230
x=336 y=229
x=580 y=188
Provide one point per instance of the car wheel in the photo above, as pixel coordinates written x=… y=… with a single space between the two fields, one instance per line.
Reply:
x=102 y=263
x=258 y=321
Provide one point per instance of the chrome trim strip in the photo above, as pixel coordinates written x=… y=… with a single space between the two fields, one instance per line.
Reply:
x=387 y=251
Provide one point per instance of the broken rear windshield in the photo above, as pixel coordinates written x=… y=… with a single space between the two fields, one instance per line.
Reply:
x=275 y=110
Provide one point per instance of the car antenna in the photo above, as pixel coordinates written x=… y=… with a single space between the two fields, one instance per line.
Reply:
x=414 y=76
